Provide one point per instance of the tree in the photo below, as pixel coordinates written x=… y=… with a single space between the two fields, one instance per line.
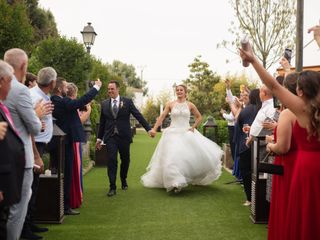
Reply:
x=200 y=86
x=127 y=72
x=42 y=21
x=150 y=111
x=67 y=57
x=269 y=25
x=15 y=28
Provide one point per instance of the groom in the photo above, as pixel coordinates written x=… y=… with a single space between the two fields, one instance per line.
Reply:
x=115 y=132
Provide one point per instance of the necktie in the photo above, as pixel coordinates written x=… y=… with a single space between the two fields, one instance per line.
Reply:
x=8 y=115
x=115 y=107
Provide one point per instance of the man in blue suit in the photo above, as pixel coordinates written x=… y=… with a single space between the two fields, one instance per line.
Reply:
x=115 y=132
x=67 y=118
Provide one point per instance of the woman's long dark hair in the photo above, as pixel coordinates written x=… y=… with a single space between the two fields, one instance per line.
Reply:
x=254 y=98
x=309 y=83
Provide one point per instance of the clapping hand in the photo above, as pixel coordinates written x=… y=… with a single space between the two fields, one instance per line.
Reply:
x=3 y=129
x=43 y=108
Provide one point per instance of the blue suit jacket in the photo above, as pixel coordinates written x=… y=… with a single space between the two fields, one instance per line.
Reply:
x=122 y=120
x=67 y=117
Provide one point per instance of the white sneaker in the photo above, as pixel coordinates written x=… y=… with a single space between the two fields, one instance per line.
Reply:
x=247 y=203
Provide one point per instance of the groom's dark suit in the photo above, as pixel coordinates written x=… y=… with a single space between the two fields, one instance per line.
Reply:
x=115 y=131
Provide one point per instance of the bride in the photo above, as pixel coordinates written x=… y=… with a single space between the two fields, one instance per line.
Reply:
x=183 y=155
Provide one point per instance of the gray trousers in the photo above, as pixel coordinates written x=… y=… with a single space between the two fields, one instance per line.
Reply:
x=18 y=211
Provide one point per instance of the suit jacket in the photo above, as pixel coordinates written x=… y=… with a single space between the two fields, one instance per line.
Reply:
x=12 y=162
x=27 y=123
x=108 y=121
x=67 y=117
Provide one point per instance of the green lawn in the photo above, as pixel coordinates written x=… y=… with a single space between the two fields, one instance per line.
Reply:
x=211 y=212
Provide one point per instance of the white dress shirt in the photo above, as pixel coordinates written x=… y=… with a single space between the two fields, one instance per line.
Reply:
x=37 y=95
x=266 y=111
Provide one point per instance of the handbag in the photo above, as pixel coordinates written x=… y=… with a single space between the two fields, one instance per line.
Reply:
x=266 y=167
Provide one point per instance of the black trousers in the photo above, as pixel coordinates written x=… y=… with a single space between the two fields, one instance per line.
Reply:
x=4 y=213
x=245 y=169
x=114 y=145
x=232 y=144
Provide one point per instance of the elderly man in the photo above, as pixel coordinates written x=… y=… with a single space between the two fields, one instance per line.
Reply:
x=12 y=158
x=27 y=124
x=46 y=81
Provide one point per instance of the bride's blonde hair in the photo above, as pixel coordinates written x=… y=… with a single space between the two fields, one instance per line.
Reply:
x=184 y=87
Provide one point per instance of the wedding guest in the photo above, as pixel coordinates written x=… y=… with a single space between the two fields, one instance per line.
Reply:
x=12 y=160
x=66 y=113
x=27 y=123
x=31 y=80
x=46 y=81
x=285 y=149
x=245 y=119
x=303 y=213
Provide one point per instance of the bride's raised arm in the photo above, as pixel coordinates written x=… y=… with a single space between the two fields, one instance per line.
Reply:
x=162 y=116
x=288 y=99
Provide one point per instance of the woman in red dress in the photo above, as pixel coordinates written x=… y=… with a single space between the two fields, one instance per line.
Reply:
x=303 y=212
x=285 y=149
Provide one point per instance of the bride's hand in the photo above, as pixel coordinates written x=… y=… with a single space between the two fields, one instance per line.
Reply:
x=191 y=129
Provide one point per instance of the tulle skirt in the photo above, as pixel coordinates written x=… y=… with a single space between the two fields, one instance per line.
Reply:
x=183 y=157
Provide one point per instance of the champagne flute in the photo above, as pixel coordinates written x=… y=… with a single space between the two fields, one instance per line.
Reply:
x=246 y=129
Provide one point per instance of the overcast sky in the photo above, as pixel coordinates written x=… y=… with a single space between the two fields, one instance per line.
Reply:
x=163 y=37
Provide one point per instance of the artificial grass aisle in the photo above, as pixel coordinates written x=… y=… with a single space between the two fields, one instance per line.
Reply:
x=210 y=212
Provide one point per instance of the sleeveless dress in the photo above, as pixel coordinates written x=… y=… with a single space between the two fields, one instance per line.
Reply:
x=303 y=215
x=280 y=191
x=182 y=157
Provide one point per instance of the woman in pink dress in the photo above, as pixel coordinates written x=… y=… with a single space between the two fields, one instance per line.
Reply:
x=303 y=212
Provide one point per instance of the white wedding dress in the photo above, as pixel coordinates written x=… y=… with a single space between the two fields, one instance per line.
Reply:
x=182 y=157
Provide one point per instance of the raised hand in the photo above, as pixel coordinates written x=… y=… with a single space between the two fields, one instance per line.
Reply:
x=228 y=84
x=316 y=33
x=247 y=55
x=98 y=83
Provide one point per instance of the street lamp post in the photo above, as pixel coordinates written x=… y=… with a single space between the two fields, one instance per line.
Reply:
x=88 y=35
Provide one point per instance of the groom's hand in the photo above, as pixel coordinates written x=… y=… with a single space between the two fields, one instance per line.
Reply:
x=152 y=133
x=98 y=144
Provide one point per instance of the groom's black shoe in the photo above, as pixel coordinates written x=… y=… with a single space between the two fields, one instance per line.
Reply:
x=111 y=192
x=124 y=185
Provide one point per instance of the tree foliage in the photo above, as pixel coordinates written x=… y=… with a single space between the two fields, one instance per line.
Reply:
x=127 y=72
x=42 y=21
x=200 y=84
x=15 y=28
x=269 y=25
x=66 y=56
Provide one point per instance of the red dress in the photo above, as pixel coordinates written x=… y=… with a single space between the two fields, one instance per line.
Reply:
x=76 y=189
x=280 y=192
x=303 y=215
